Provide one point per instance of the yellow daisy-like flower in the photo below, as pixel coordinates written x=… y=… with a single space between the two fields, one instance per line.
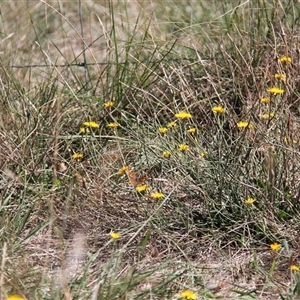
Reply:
x=109 y=104
x=218 y=109
x=183 y=147
x=285 y=59
x=294 y=268
x=91 y=124
x=191 y=130
x=244 y=124
x=77 y=155
x=166 y=154
x=268 y=116
x=183 y=115
x=275 y=247
x=172 y=124
x=188 y=295
x=162 y=130
x=275 y=90
x=82 y=130
x=281 y=77
x=112 y=125
x=203 y=154
x=115 y=235
x=265 y=100
x=123 y=170
x=250 y=201
x=157 y=195
x=142 y=188
x=15 y=297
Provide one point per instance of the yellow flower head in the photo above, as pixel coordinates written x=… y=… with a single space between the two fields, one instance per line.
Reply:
x=157 y=195
x=15 y=297
x=109 y=104
x=82 y=130
x=294 y=268
x=172 y=124
x=250 y=201
x=112 y=125
x=183 y=115
x=77 y=155
x=275 y=247
x=91 y=124
x=123 y=170
x=281 y=77
x=166 y=154
x=218 y=109
x=265 y=100
x=275 y=90
x=188 y=295
x=244 y=124
x=268 y=116
x=203 y=154
x=191 y=130
x=142 y=188
x=162 y=130
x=183 y=147
x=285 y=59
x=115 y=235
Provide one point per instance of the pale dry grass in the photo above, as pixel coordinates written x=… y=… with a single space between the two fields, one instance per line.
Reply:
x=58 y=213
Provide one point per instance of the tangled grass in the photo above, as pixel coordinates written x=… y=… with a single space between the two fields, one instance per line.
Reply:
x=150 y=150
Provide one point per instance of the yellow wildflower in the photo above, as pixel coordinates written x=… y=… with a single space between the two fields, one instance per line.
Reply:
x=281 y=77
x=275 y=90
x=82 y=130
x=191 y=130
x=183 y=115
x=294 y=268
x=285 y=59
x=203 y=154
x=172 y=124
x=123 y=170
x=157 y=195
x=166 y=154
x=162 y=130
x=112 y=125
x=188 y=295
x=109 y=104
x=268 y=116
x=77 y=155
x=142 y=188
x=265 y=100
x=275 y=247
x=15 y=297
x=183 y=147
x=250 y=201
x=218 y=109
x=244 y=124
x=91 y=124
x=115 y=235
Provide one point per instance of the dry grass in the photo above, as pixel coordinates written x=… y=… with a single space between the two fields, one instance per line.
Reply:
x=157 y=59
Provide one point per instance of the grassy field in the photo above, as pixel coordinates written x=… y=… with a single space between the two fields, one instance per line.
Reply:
x=150 y=149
